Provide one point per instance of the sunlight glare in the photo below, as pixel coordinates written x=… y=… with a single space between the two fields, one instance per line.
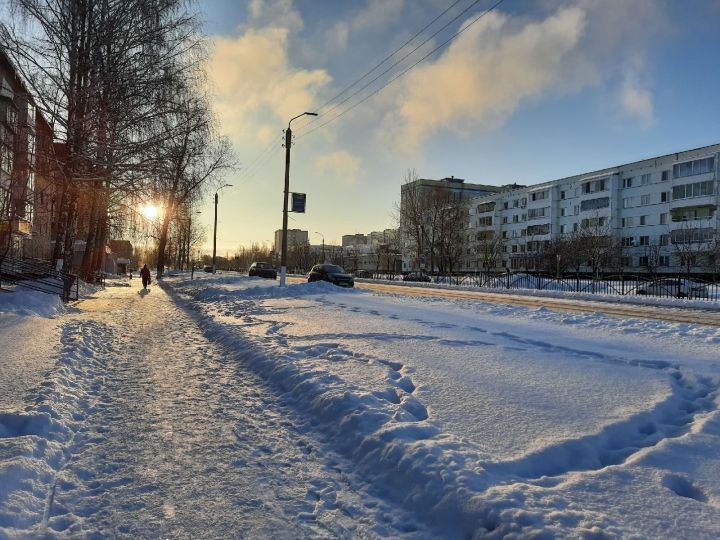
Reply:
x=150 y=211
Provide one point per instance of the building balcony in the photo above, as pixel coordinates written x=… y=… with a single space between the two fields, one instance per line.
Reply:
x=17 y=226
x=693 y=202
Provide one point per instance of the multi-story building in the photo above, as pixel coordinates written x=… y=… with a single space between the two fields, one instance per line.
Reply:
x=296 y=238
x=657 y=213
x=417 y=196
x=354 y=240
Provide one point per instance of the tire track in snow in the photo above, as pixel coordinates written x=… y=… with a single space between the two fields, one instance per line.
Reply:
x=692 y=398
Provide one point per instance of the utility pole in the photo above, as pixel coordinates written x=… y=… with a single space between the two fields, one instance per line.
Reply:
x=215 y=226
x=283 y=251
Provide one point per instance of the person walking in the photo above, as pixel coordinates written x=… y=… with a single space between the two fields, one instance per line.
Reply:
x=145 y=275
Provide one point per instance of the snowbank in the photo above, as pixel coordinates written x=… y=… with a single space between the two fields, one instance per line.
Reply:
x=378 y=411
x=27 y=302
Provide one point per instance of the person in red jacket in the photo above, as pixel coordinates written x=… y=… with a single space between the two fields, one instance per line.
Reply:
x=145 y=275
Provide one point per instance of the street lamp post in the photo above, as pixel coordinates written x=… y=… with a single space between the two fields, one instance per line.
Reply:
x=288 y=143
x=323 y=245
x=215 y=226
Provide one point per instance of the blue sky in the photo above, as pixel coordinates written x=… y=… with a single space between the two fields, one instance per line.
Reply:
x=531 y=92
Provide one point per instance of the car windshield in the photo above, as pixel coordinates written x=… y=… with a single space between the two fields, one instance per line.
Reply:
x=263 y=265
x=333 y=269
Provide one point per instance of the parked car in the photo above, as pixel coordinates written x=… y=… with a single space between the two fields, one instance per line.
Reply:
x=680 y=288
x=417 y=276
x=365 y=274
x=263 y=270
x=208 y=269
x=331 y=273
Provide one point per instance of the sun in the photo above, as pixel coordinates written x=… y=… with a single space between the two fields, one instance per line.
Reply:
x=150 y=211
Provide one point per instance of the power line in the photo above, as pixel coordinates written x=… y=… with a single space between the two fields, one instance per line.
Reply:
x=396 y=77
x=261 y=159
x=401 y=60
x=377 y=66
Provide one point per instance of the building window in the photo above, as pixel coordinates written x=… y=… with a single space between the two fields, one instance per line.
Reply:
x=484 y=221
x=627 y=202
x=627 y=182
x=644 y=200
x=665 y=176
x=664 y=239
x=644 y=240
x=562 y=212
x=691 y=168
x=577 y=209
x=594 y=204
x=626 y=261
x=643 y=261
x=664 y=260
x=562 y=229
x=537 y=213
x=595 y=185
x=505 y=219
x=627 y=222
x=663 y=219
x=514 y=248
x=643 y=220
x=644 y=179
x=562 y=194
x=516 y=218
x=627 y=241
x=664 y=196
x=698 y=189
x=505 y=205
x=538 y=195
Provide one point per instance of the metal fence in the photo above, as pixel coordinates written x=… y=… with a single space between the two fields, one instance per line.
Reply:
x=666 y=286
x=38 y=275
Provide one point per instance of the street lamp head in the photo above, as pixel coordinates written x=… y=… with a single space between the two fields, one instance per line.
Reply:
x=311 y=113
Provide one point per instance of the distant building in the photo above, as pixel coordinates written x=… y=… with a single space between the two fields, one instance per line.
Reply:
x=354 y=240
x=454 y=189
x=296 y=238
x=659 y=214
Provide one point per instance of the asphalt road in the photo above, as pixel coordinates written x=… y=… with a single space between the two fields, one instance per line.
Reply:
x=710 y=317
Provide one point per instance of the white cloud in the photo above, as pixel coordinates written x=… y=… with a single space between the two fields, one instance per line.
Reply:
x=251 y=76
x=341 y=164
x=637 y=102
x=485 y=74
x=275 y=13
x=337 y=37
x=377 y=14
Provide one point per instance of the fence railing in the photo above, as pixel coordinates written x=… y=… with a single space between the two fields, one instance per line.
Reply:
x=39 y=276
x=665 y=286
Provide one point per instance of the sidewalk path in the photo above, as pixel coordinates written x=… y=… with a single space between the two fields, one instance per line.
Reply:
x=147 y=429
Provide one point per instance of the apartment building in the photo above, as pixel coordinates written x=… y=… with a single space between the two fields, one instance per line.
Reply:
x=649 y=208
x=296 y=237
x=416 y=195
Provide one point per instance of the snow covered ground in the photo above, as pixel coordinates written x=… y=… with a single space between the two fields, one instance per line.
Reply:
x=228 y=406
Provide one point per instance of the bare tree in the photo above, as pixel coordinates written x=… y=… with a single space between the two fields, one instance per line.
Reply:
x=102 y=72
x=488 y=248
x=692 y=244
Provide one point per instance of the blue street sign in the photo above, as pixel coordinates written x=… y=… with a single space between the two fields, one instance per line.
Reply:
x=298 y=203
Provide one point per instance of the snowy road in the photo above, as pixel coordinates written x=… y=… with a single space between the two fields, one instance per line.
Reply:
x=707 y=315
x=226 y=406
x=148 y=429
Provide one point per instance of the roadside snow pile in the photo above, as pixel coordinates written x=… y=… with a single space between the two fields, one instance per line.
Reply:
x=558 y=292
x=486 y=424
x=27 y=302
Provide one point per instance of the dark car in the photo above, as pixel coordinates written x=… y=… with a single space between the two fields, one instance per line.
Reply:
x=208 y=269
x=331 y=273
x=417 y=276
x=365 y=274
x=263 y=270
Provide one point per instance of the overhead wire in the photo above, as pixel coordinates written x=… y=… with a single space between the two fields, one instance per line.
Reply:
x=263 y=157
x=310 y=120
x=402 y=73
